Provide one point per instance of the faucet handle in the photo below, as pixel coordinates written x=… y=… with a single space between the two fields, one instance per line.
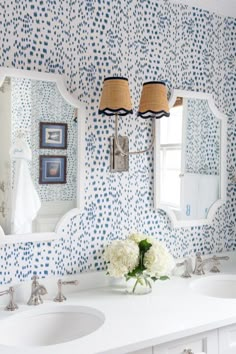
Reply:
x=187 y=263
x=12 y=305
x=216 y=261
x=60 y=297
x=70 y=282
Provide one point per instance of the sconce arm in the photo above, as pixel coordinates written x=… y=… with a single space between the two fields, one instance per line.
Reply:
x=133 y=152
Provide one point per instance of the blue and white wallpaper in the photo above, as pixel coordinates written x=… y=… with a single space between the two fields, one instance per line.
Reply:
x=86 y=41
x=202 y=139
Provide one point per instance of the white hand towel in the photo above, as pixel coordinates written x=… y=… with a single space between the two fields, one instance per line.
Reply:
x=2 y=234
x=199 y=193
x=189 y=201
x=26 y=202
x=25 y=199
x=208 y=193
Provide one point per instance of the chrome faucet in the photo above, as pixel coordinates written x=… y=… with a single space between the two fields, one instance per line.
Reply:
x=37 y=291
x=200 y=263
x=187 y=263
x=60 y=297
x=12 y=305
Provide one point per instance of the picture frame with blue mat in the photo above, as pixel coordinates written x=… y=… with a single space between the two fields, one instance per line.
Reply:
x=52 y=169
x=53 y=135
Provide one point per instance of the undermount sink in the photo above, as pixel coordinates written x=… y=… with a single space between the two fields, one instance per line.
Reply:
x=49 y=326
x=220 y=286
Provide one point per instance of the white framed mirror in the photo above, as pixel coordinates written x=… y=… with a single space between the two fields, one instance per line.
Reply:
x=41 y=155
x=190 y=159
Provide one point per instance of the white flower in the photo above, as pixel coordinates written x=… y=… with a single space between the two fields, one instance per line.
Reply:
x=138 y=237
x=122 y=257
x=158 y=260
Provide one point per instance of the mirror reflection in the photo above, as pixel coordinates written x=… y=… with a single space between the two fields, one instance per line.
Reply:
x=38 y=149
x=189 y=145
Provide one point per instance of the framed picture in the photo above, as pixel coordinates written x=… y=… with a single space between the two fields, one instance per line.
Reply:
x=53 y=135
x=52 y=169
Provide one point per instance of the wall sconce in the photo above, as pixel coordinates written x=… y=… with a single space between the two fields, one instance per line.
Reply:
x=116 y=100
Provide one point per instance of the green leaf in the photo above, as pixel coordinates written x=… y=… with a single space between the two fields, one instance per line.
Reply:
x=154 y=278
x=144 y=246
x=164 y=277
x=136 y=271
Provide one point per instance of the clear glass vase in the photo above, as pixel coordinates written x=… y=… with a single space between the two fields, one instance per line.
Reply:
x=139 y=285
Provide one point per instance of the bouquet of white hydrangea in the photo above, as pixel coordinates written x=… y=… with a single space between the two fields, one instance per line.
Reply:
x=141 y=258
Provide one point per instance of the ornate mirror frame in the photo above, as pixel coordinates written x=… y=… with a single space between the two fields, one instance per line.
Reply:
x=223 y=145
x=60 y=83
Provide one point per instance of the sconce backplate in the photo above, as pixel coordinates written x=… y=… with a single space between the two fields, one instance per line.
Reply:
x=119 y=162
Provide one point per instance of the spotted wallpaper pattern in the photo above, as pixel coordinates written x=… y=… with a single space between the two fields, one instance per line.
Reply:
x=40 y=101
x=202 y=147
x=189 y=48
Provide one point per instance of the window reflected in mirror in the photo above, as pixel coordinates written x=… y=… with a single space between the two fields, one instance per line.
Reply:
x=189 y=159
x=170 y=156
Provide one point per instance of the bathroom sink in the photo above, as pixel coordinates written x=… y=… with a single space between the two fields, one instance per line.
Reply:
x=49 y=325
x=220 y=286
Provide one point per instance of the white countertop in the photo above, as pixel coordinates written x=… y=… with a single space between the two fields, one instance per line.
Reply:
x=173 y=310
